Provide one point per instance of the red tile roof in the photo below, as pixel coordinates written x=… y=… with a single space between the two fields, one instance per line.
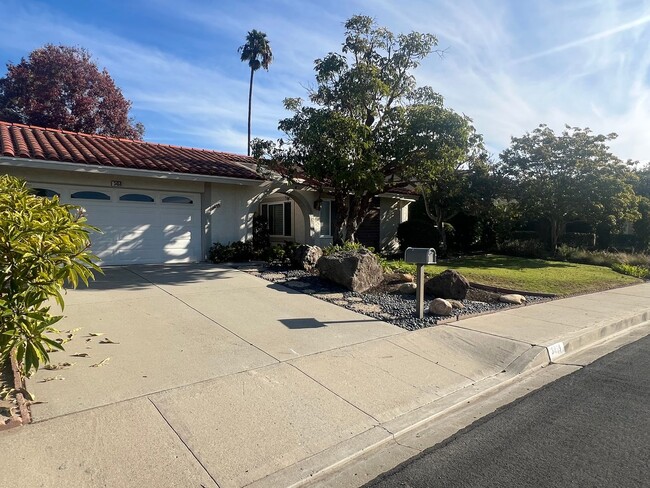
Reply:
x=23 y=141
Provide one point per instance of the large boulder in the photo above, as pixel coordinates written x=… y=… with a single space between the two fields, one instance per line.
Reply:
x=440 y=306
x=448 y=284
x=306 y=257
x=357 y=271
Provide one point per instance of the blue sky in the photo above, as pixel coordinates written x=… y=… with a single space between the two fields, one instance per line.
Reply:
x=510 y=65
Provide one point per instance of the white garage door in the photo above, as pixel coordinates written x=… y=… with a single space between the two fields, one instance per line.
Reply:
x=139 y=226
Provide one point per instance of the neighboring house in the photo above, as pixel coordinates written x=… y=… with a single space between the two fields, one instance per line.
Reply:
x=157 y=203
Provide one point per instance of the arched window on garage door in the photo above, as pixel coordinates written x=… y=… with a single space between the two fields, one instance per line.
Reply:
x=177 y=199
x=45 y=192
x=136 y=197
x=90 y=195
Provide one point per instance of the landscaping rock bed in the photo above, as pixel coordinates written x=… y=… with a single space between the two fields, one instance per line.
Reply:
x=383 y=302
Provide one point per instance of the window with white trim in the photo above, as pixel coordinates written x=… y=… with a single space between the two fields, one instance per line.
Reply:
x=326 y=218
x=278 y=218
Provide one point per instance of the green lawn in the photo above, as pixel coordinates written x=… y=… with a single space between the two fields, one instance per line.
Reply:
x=534 y=275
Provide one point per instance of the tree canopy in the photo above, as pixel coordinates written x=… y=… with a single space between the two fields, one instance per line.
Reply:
x=367 y=123
x=569 y=176
x=61 y=87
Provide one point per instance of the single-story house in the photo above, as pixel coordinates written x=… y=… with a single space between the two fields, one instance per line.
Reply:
x=157 y=203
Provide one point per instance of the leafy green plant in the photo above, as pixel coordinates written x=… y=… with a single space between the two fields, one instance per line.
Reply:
x=347 y=246
x=261 y=234
x=274 y=254
x=233 y=252
x=632 y=270
x=43 y=246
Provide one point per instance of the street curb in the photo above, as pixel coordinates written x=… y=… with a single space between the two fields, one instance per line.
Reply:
x=536 y=357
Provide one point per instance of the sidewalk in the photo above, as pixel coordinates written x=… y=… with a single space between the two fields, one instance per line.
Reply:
x=220 y=380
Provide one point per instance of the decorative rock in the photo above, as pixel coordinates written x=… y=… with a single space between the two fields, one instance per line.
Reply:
x=365 y=308
x=512 y=298
x=357 y=271
x=404 y=277
x=456 y=304
x=440 y=306
x=407 y=288
x=448 y=284
x=306 y=256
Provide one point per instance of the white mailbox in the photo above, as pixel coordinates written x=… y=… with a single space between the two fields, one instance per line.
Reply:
x=420 y=255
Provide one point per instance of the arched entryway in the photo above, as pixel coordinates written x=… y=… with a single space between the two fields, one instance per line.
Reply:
x=289 y=214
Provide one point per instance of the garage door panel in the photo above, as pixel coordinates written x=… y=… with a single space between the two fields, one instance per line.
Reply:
x=143 y=233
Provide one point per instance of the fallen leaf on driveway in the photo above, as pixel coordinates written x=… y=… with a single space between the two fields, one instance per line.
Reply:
x=52 y=378
x=107 y=341
x=96 y=334
x=57 y=366
x=101 y=363
x=80 y=355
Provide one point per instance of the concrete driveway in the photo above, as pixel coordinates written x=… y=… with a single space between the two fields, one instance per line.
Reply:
x=206 y=376
x=181 y=325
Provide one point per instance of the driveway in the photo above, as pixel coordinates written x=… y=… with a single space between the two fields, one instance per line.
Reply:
x=171 y=326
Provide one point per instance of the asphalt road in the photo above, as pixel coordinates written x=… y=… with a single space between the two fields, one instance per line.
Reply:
x=588 y=429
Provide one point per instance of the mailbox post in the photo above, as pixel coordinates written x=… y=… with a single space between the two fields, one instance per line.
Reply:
x=420 y=256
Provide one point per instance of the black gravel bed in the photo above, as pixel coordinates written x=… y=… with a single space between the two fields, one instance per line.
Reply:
x=390 y=307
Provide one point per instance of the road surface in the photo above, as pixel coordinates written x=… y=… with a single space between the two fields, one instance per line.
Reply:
x=588 y=429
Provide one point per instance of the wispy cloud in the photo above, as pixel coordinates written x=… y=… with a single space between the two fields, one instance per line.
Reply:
x=586 y=40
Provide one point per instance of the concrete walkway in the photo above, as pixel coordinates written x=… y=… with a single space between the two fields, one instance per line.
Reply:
x=206 y=376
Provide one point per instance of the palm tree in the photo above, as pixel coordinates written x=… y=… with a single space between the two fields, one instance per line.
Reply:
x=257 y=51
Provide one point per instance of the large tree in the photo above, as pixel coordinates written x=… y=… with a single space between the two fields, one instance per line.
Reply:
x=61 y=87
x=367 y=123
x=569 y=176
x=257 y=53
x=447 y=164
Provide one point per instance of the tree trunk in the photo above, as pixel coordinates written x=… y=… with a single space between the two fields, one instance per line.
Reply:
x=443 y=233
x=250 y=104
x=556 y=228
x=341 y=218
x=357 y=213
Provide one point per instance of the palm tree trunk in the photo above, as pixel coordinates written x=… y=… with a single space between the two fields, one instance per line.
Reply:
x=250 y=102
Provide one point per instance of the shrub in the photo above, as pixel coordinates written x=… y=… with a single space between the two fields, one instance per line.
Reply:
x=234 y=252
x=345 y=247
x=524 y=235
x=261 y=234
x=578 y=239
x=418 y=233
x=601 y=258
x=43 y=246
x=527 y=249
x=632 y=270
x=624 y=241
x=274 y=254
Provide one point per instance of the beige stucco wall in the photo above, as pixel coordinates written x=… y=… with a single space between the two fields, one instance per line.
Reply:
x=227 y=208
x=393 y=211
